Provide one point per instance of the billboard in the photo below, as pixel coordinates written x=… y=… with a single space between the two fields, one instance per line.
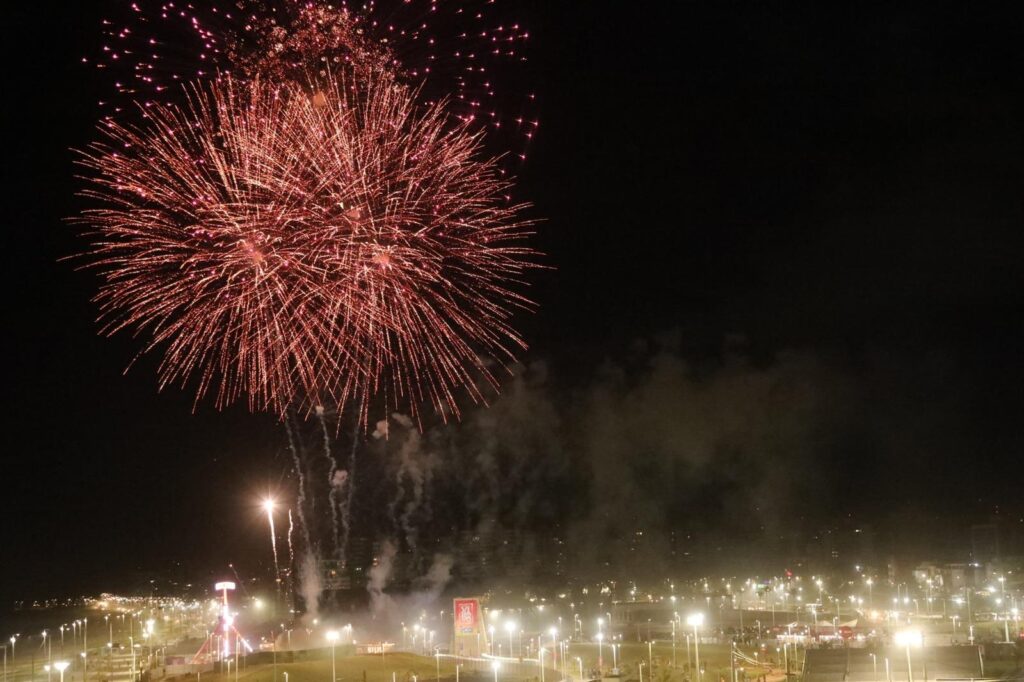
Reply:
x=470 y=634
x=467 y=616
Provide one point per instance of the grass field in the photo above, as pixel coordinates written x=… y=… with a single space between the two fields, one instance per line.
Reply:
x=401 y=667
x=315 y=666
x=713 y=658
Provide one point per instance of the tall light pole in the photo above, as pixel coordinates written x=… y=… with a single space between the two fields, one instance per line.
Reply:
x=131 y=641
x=696 y=620
x=510 y=628
x=332 y=637
x=673 y=643
x=600 y=650
x=495 y=665
x=909 y=638
x=61 y=666
x=553 y=631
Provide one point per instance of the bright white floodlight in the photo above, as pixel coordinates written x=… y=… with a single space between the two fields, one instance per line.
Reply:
x=908 y=638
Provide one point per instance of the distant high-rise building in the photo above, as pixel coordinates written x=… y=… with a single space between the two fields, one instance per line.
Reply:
x=985 y=542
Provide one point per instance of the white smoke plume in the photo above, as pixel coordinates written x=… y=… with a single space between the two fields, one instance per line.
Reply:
x=378 y=577
x=427 y=590
x=411 y=505
x=310 y=586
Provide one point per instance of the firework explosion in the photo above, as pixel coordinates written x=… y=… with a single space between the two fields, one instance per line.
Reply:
x=301 y=248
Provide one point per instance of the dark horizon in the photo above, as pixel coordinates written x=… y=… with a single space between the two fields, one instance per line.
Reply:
x=779 y=235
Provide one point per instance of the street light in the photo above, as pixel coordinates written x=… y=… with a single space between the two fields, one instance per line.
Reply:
x=909 y=638
x=332 y=637
x=495 y=665
x=696 y=620
x=553 y=631
x=510 y=627
x=61 y=666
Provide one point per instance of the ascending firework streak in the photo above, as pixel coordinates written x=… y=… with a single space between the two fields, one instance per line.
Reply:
x=300 y=498
x=335 y=477
x=268 y=505
x=291 y=547
x=346 y=510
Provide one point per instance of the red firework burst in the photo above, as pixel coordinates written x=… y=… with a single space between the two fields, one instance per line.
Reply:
x=299 y=249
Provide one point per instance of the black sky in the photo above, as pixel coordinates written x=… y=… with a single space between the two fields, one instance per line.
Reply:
x=838 y=180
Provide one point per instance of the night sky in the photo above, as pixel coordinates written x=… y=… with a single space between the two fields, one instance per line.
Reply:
x=830 y=195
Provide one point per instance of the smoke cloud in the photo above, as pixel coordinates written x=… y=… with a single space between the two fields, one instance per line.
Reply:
x=650 y=463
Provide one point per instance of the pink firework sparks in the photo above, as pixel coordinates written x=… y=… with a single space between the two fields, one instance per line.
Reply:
x=298 y=248
x=469 y=53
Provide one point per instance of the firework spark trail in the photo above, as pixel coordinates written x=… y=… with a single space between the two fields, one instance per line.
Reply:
x=282 y=247
x=273 y=545
x=300 y=501
x=334 y=480
x=291 y=547
x=346 y=511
